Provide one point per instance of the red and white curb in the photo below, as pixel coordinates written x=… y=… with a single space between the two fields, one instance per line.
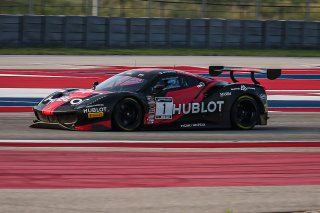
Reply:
x=158 y=144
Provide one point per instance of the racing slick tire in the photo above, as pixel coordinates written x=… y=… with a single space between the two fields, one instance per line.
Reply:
x=127 y=115
x=244 y=113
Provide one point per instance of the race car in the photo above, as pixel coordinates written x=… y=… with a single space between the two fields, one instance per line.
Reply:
x=151 y=98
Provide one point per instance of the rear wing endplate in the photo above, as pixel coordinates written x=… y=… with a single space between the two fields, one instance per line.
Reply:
x=270 y=73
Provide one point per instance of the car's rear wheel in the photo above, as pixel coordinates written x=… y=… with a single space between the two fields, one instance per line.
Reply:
x=127 y=115
x=244 y=113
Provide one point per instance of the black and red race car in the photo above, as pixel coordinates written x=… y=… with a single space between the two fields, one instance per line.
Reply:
x=159 y=99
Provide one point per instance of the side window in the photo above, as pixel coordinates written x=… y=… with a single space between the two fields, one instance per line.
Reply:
x=191 y=82
x=172 y=82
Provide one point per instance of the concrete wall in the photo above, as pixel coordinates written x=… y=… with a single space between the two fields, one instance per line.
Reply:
x=78 y=31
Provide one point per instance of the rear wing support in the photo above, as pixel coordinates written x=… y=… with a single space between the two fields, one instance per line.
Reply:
x=270 y=73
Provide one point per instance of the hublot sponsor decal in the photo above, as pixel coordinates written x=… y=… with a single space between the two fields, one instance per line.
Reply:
x=96 y=109
x=201 y=107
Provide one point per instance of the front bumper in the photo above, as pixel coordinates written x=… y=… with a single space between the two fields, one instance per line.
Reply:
x=63 y=120
x=71 y=120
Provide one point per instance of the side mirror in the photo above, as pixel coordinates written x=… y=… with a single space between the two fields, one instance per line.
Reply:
x=158 y=88
x=95 y=84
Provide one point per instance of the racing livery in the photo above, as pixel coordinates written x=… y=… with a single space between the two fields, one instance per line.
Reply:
x=159 y=99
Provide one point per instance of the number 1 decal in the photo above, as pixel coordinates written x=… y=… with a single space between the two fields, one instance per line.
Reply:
x=164 y=108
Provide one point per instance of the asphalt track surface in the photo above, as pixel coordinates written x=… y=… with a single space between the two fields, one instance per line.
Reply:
x=281 y=127
x=282 y=197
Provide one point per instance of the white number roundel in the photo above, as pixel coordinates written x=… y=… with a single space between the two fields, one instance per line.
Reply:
x=75 y=101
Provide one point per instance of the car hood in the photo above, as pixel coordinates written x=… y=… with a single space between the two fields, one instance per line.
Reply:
x=69 y=100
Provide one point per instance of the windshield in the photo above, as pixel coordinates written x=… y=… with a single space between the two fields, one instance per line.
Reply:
x=122 y=83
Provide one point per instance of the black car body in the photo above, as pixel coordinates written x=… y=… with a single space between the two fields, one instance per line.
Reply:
x=159 y=99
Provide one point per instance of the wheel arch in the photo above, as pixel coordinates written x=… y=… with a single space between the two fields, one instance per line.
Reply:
x=258 y=101
x=140 y=102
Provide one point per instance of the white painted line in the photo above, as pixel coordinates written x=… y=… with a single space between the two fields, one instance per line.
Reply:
x=293 y=98
x=26 y=92
x=28 y=102
x=293 y=90
x=311 y=65
x=293 y=112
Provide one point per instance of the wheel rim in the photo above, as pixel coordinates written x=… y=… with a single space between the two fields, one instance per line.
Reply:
x=246 y=113
x=128 y=114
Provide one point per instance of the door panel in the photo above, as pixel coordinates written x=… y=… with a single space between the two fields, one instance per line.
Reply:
x=174 y=101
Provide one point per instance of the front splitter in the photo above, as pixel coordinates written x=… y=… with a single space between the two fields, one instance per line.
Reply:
x=44 y=125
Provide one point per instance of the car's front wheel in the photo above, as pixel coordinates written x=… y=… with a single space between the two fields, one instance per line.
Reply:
x=244 y=113
x=127 y=115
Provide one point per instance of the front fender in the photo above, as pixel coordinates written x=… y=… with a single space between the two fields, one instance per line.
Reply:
x=101 y=108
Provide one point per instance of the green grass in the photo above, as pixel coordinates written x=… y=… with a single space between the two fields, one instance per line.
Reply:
x=152 y=51
x=229 y=9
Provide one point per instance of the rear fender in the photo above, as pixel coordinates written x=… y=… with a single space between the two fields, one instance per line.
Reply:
x=230 y=93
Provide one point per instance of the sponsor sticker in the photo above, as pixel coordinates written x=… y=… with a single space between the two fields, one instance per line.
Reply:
x=150 y=98
x=223 y=94
x=95 y=105
x=243 y=88
x=95 y=114
x=251 y=88
x=152 y=109
x=75 y=101
x=167 y=71
x=201 y=84
x=64 y=99
x=263 y=97
x=193 y=125
x=48 y=100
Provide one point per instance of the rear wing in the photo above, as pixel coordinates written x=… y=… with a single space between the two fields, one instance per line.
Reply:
x=270 y=73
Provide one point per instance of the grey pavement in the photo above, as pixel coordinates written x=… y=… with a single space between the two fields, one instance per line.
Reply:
x=167 y=200
x=50 y=62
